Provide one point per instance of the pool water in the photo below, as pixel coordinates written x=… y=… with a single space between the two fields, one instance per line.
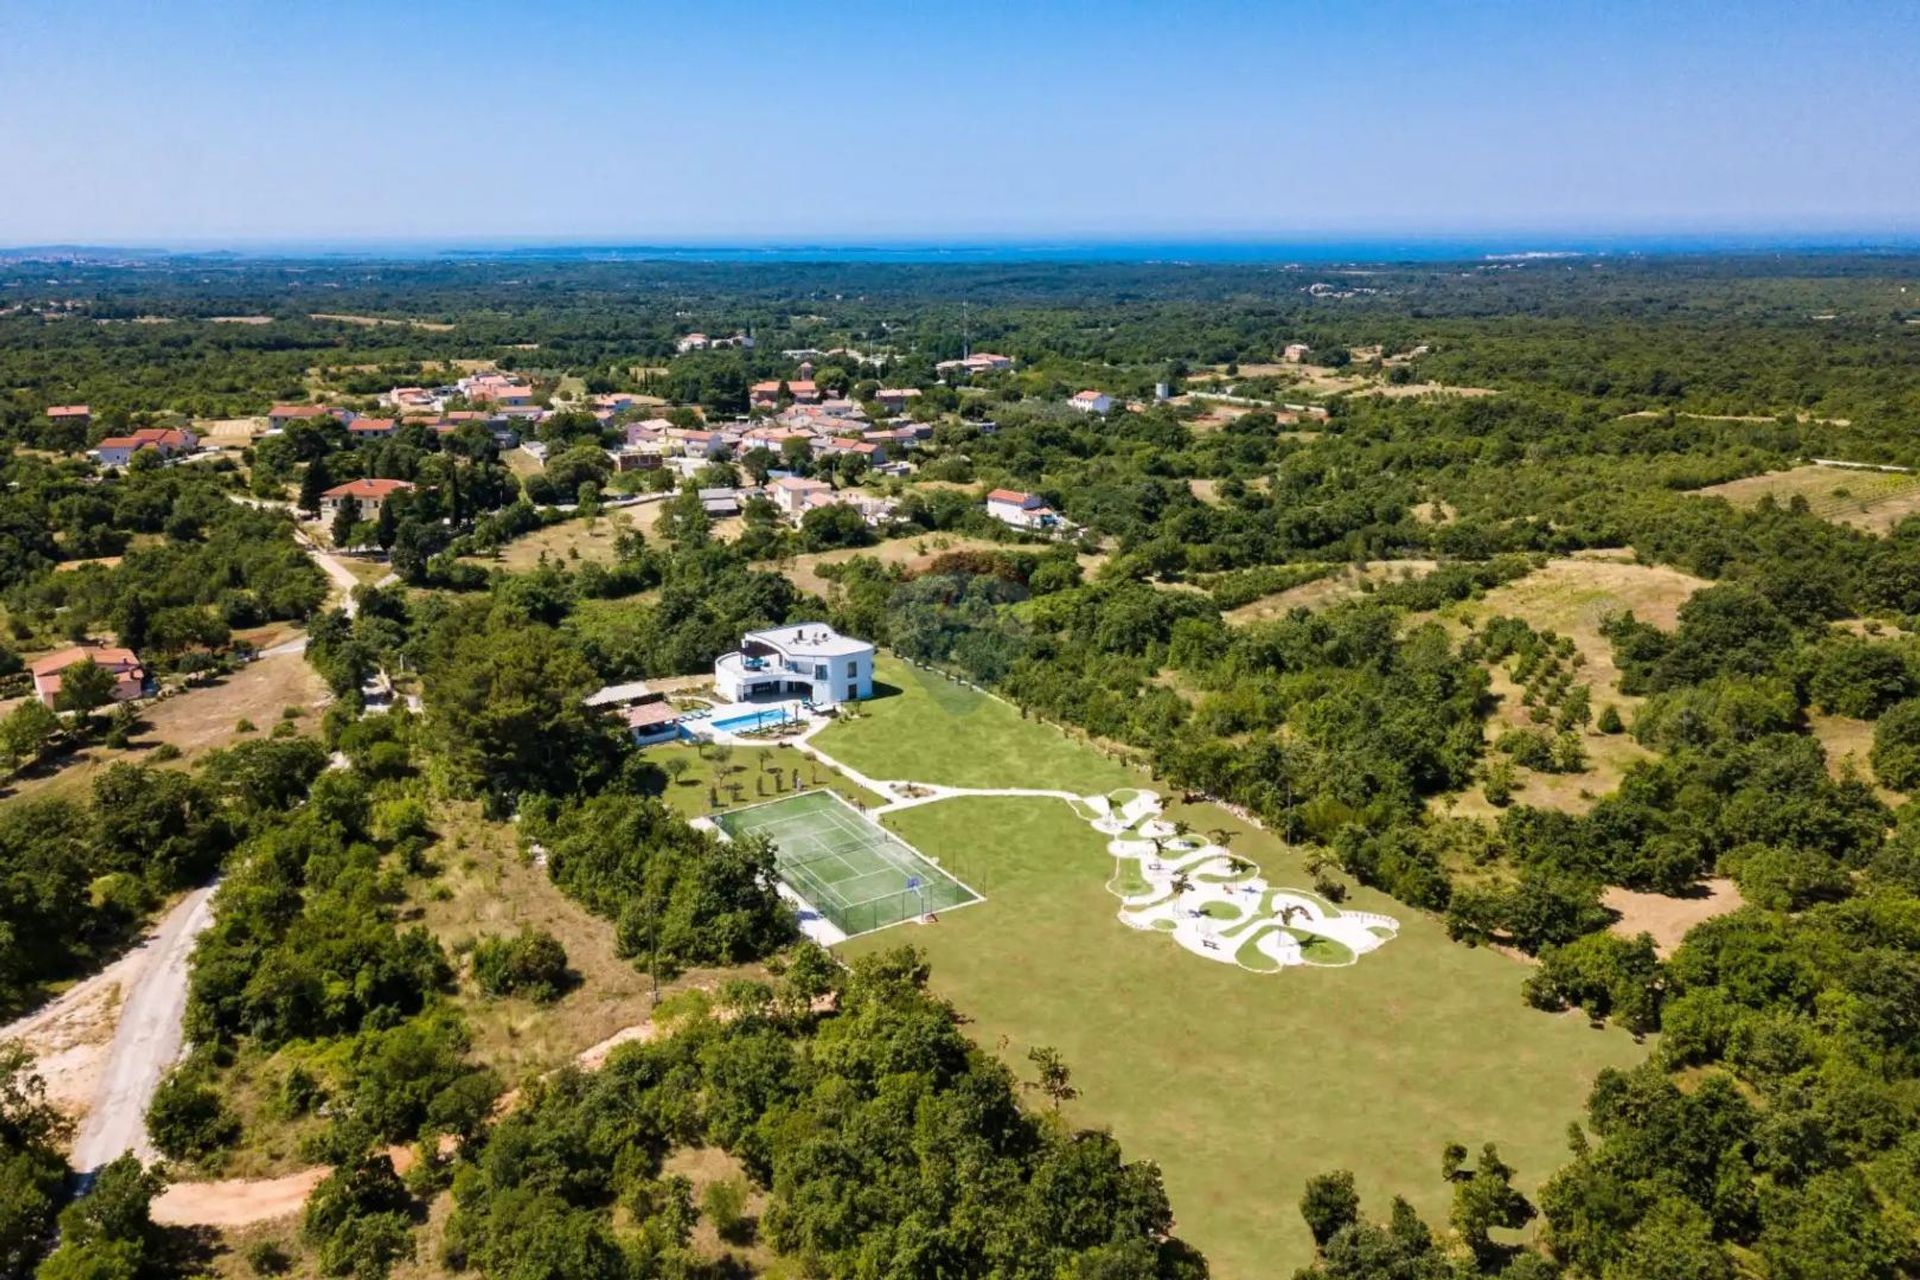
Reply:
x=758 y=720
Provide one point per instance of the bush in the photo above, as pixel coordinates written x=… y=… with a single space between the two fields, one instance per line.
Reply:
x=1896 y=746
x=531 y=964
x=188 y=1118
x=725 y=1205
x=268 y=1258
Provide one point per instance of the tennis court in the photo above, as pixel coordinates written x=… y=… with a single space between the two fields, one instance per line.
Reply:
x=850 y=869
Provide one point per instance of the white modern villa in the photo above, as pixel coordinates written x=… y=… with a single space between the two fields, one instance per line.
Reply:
x=809 y=659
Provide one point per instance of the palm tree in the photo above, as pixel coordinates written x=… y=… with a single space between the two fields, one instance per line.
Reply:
x=1181 y=882
x=1222 y=837
x=1317 y=862
x=1288 y=912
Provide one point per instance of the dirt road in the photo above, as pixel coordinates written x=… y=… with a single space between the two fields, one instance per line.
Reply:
x=147 y=1041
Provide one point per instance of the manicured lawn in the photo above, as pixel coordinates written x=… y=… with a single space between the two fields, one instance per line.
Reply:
x=924 y=727
x=752 y=770
x=1242 y=1085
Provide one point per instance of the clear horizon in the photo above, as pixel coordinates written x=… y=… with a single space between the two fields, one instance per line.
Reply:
x=243 y=122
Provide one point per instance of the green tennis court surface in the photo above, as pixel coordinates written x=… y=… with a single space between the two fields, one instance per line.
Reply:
x=850 y=869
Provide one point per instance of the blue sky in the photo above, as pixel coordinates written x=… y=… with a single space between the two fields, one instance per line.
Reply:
x=257 y=120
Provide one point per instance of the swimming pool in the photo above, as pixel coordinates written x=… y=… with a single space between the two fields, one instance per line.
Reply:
x=758 y=720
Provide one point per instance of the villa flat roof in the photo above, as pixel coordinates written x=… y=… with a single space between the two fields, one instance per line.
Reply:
x=815 y=639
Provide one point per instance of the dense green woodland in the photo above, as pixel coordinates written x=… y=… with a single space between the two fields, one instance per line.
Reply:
x=1775 y=1130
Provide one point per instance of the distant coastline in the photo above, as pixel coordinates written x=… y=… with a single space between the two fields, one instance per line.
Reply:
x=1489 y=247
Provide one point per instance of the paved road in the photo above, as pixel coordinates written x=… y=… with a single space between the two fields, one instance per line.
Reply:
x=147 y=1042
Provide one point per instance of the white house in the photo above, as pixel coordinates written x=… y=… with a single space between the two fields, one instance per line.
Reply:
x=1021 y=510
x=118 y=451
x=370 y=495
x=792 y=493
x=1091 y=401
x=807 y=658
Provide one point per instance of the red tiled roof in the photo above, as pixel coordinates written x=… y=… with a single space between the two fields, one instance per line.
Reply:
x=1010 y=495
x=366 y=488
x=105 y=656
x=68 y=411
x=370 y=424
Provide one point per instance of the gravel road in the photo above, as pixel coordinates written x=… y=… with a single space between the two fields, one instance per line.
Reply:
x=147 y=1042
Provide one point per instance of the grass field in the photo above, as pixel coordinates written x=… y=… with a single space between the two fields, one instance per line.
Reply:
x=858 y=875
x=1871 y=500
x=567 y=543
x=1243 y=1085
x=924 y=727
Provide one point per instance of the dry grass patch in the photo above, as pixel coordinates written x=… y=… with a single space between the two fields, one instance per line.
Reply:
x=580 y=539
x=1849 y=746
x=199 y=720
x=1668 y=919
x=915 y=553
x=486 y=886
x=1347 y=584
x=1574 y=596
x=370 y=322
x=1873 y=501
x=706 y=1167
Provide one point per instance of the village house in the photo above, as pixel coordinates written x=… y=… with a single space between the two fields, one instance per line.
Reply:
x=979 y=362
x=636 y=457
x=692 y=442
x=614 y=402
x=841 y=446
x=70 y=415
x=118 y=451
x=692 y=342
x=371 y=428
x=1091 y=402
x=1021 y=510
x=896 y=399
x=1296 y=352
x=810 y=659
x=281 y=414
x=790 y=494
x=370 y=495
x=766 y=395
x=412 y=398
x=129 y=677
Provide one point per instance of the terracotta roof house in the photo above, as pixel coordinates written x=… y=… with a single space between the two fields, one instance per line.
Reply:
x=767 y=394
x=1091 y=401
x=118 y=451
x=371 y=495
x=73 y=414
x=281 y=414
x=370 y=428
x=130 y=678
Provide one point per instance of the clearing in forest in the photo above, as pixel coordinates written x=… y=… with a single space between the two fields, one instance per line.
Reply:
x=1873 y=501
x=1573 y=597
x=1239 y=1085
x=197 y=721
x=1349 y=583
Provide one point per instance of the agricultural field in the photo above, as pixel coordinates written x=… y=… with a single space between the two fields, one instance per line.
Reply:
x=1238 y=1084
x=1873 y=501
x=1573 y=597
